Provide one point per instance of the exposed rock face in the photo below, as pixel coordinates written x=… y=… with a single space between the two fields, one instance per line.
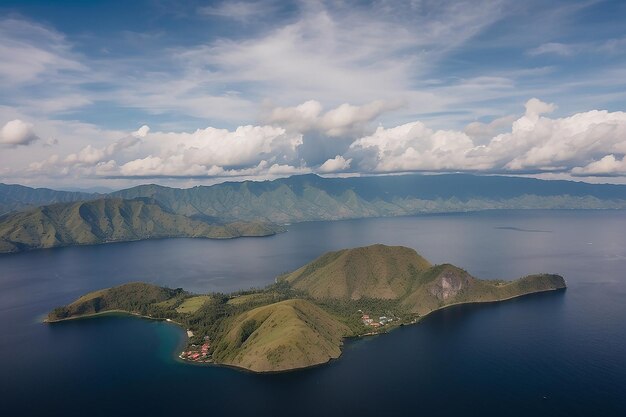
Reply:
x=449 y=284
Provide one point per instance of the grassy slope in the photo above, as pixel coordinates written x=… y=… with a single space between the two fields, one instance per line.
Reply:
x=376 y=271
x=192 y=304
x=109 y=220
x=286 y=335
x=398 y=273
x=446 y=284
x=131 y=297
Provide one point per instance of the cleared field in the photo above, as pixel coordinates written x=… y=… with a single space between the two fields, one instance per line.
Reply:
x=191 y=305
x=249 y=298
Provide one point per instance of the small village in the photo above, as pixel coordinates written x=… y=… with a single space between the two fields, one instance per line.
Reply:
x=194 y=354
x=376 y=323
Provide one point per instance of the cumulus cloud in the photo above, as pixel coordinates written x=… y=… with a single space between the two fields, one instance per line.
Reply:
x=335 y=122
x=210 y=152
x=17 y=132
x=535 y=143
x=607 y=166
x=413 y=147
x=141 y=132
x=338 y=163
x=480 y=132
x=590 y=143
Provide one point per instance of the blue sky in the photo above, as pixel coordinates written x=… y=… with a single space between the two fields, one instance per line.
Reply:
x=116 y=93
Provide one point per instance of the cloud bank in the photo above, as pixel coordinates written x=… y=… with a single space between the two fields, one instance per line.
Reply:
x=591 y=143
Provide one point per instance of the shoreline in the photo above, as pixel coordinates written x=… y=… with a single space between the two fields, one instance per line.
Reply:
x=109 y=242
x=420 y=318
x=302 y=368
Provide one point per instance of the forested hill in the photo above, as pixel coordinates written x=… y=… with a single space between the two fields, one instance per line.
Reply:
x=310 y=197
x=15 y=197
x=111 y=220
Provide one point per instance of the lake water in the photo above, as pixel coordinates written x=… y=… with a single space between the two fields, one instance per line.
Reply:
x=554 y=354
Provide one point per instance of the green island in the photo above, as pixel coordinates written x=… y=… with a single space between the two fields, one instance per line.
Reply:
x=303 y=318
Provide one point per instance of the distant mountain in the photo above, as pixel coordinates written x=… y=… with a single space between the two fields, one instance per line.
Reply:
x=18 y=197
x=310 y=197
x=189 y=212
x=110 y=220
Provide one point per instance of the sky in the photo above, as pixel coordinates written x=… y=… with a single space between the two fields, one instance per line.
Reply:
x=118 y=93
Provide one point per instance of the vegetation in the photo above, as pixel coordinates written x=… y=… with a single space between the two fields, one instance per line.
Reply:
x=246 y=208
x=193 y=304
x=18 y=197
x=111 y=220
x=356 y=273
x=302 y=319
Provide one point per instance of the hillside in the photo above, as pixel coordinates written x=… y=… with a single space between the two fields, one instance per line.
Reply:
x=109 y=220
x=132 y=297
x=310 y=197
x=247 y=208
x=277 y=337
x=376 y=271
x=302 y=319
x=446 y=284
x=399 y=273
x=18 y=197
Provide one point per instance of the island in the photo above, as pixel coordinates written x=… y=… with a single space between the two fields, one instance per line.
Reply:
x=303 y=318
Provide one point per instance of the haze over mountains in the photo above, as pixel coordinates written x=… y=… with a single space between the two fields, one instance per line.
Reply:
x=173 y=212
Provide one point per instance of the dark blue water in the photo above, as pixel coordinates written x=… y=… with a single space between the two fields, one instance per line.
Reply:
x=557 y=354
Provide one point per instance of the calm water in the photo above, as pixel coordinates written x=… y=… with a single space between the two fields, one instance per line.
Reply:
x=559 y=354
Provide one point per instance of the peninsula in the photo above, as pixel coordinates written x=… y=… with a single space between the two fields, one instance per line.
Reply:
x=302 y=319
x=114 y=220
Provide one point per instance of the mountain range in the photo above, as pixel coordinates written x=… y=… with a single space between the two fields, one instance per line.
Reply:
x=311 y=197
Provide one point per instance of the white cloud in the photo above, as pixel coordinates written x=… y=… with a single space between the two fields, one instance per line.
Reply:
x=480 y=132
x=590 y=143
x=607 y=166
x=30 y=51
x=237 y=10
x=141 y=132
x=555 y=48
x=338 y=163
x=534 y=143
x=414 y=147
x=335 y=122
x=17 y=132
x=205 y=152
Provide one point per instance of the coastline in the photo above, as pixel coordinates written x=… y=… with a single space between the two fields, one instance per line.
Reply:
x=108 y=242
x=239 y=368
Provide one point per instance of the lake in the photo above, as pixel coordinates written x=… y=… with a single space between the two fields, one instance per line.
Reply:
x=553 y=354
